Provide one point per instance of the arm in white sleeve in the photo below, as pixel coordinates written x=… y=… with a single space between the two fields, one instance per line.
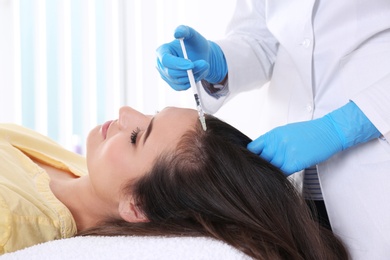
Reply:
x=374 y=101
x=249 y=49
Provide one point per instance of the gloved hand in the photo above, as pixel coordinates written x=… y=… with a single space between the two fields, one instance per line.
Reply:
x=207 y=60
x=297 y=146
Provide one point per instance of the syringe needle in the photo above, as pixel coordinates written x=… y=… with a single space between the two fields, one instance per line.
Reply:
x=194 y=89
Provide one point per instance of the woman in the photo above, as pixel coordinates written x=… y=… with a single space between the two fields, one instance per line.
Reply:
x=144 y=179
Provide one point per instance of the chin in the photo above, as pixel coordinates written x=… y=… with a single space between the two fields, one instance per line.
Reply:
x=94 y=137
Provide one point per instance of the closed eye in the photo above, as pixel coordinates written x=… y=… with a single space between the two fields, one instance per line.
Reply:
x=134 y=134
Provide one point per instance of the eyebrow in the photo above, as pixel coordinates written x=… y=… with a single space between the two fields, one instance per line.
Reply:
x=148 y=130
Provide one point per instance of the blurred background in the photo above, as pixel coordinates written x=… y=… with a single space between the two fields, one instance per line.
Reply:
x=69 y=65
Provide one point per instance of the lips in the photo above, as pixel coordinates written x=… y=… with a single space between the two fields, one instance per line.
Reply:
x=105 y=127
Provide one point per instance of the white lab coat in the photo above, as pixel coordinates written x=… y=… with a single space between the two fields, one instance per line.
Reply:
x=321 y=54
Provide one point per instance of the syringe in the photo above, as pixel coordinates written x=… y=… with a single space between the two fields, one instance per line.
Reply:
x=193 y=86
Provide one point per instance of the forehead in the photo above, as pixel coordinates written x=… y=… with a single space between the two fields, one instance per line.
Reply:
x=170 y=124
x=176 y=119
x=175 y=112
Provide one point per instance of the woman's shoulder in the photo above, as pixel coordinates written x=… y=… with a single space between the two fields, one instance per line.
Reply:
x=17 y=233
x=10 y=130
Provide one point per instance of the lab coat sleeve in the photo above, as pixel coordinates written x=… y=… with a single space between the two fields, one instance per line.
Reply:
x=367 y=79
x=249 y=49
x=375 y=104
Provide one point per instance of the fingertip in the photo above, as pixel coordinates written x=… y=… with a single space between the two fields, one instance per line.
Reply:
x=163 y=50
x=181 y=31
x=184 y=64
x=251 y=147
x=181 y=87
x=172 y=84
x=200 y=69
x=160 y=51
x=159 y=66
x=200 y=65
x=173 y=62
x=277 y=161
x=266 y=156
x=291 y=166
x=178 y=85
x=256 y=146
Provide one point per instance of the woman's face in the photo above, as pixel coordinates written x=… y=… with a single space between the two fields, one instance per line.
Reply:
x=123 y=150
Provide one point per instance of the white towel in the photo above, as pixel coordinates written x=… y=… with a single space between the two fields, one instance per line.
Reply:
x=129 y=248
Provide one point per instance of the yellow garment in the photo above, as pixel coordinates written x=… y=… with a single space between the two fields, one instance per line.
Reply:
x=29 y=211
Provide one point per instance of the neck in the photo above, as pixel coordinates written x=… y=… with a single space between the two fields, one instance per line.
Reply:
x=79 y=197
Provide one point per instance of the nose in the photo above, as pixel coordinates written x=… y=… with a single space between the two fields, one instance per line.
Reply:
x=125 y=115
x=129 y=117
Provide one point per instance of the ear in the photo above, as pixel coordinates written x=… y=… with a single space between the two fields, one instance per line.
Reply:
x=130 y=212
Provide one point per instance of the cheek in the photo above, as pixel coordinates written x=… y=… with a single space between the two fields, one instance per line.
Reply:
x=110 y=167
x=113 y=156
x=116 y=160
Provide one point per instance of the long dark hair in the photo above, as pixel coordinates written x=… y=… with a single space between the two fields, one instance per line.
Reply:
x=211 y=185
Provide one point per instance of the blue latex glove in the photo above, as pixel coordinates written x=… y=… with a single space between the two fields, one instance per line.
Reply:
x=207 y=59
x=297 y=146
